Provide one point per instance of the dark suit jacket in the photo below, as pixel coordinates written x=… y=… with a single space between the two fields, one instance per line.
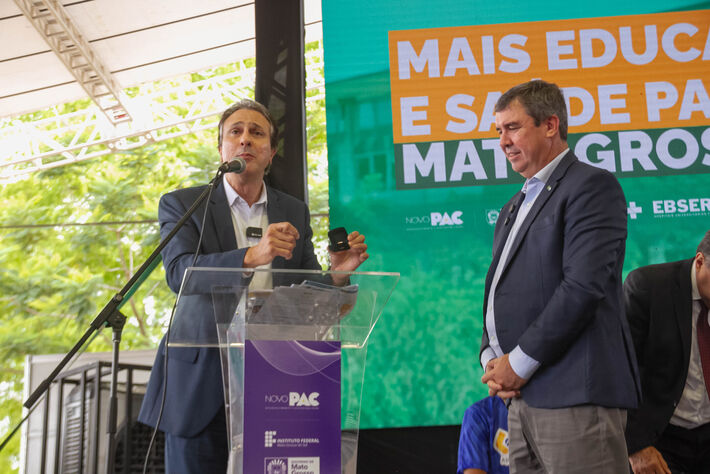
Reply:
x=659 y=306
x=560 y=294
x=194 y=392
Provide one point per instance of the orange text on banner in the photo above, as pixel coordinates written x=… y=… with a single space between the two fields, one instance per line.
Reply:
x=618 y=73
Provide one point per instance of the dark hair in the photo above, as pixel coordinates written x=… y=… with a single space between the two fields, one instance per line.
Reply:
x=250 y=105
x=541 y=101
x=704 y=246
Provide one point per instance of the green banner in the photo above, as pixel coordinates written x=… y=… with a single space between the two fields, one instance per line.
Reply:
x=626 y=153
x=415 y=165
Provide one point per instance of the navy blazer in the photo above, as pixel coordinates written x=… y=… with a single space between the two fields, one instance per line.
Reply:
x=560 y=293
x=194 y=391
x=659 y=306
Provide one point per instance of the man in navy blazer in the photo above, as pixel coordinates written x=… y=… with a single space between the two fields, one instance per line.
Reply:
x=193 y=417
x=555 y=337
x=670 y=430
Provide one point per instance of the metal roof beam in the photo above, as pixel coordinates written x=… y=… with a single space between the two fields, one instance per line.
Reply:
x=163 y=110
x=53 y=23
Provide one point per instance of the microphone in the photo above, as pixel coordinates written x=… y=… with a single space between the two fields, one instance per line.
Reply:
x=521 y=198
x=235 y=165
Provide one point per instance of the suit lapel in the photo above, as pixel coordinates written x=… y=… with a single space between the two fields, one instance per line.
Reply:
x=545 y=193
x=274 y=209
x=509 y=211
x=500 y=235
x=683 y=305
x=219 y=216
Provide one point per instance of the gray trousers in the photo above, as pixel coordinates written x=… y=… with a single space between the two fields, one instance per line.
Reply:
x=584 y=439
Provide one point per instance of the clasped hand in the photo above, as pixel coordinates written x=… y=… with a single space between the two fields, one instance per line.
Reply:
x=502 y=379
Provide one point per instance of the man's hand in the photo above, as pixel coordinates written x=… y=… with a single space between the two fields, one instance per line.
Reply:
x=501 y=379
x=279 y=240
x=648 y=461
x=349 y=260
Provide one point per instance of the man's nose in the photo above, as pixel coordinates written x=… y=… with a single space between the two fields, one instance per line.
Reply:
x=245 y=138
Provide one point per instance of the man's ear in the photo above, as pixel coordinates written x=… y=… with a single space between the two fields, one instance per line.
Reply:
x=552 y=125
x=219 y=151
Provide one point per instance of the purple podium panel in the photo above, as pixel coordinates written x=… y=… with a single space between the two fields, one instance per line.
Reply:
x=292 y=407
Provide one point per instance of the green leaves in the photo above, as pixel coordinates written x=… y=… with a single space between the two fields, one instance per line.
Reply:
x=73 y=236
x=82 y=232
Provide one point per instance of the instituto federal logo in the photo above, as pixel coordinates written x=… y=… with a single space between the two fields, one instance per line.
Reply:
x=269 y=438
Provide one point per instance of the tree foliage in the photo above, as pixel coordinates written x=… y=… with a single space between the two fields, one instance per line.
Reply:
x=72 y=236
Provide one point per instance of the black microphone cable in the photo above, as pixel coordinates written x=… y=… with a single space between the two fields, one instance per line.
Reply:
x=225 y=167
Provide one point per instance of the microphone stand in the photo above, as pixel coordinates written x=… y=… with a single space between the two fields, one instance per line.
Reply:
x=111 y=317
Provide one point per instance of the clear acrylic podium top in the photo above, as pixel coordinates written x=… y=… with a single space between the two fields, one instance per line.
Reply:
x=298 y=305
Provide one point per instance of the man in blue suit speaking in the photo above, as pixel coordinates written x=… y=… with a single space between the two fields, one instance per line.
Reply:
x=247 y=225
x=555 y=337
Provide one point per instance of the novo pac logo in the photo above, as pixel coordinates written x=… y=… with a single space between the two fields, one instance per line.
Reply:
x=434 y=219
x=296 y=399
x=275 y=399
x=439 y=219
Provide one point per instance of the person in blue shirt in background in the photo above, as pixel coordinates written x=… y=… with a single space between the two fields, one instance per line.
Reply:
x=483 y=445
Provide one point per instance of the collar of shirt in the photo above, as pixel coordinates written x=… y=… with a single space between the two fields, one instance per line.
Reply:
x=244 y=217
x=534 y=185
x=235 y=201
x=544 y=174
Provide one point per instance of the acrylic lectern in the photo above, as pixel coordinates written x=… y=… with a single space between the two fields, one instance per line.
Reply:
x=293 y=359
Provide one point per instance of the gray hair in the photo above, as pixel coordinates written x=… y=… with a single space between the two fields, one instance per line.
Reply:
x=541 y=101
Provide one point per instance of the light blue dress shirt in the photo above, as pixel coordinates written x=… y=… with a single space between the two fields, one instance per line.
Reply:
x=522 y=364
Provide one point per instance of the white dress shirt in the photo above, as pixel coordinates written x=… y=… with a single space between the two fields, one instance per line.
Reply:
x=693 y=409
x=244 y=216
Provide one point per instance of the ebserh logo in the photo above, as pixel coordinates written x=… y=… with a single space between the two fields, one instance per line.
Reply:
x=633 y=210
x=276 y=466
x=687 y=207
x=296 y=399
x=439 y=219
x=269 y=438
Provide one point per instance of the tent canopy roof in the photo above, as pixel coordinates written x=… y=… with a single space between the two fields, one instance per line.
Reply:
x=135 y=41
